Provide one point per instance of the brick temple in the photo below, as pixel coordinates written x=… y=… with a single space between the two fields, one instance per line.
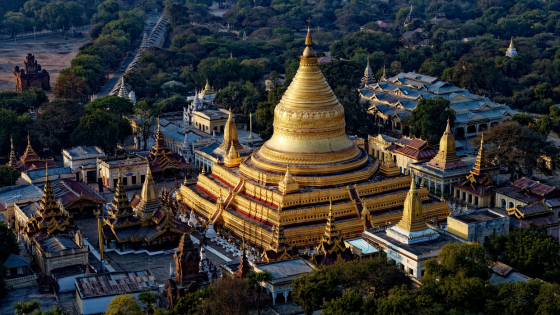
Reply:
x=31 y=75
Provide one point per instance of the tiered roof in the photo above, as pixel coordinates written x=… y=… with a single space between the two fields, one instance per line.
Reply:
x=148 y=218
x=29 y=160
x=479 y=181
x=161 y=157
x=48 y=216
x=369 y=76
x=398 y=96
x=332 y=247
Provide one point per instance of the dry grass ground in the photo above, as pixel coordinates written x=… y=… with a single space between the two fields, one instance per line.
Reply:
x=52 y=52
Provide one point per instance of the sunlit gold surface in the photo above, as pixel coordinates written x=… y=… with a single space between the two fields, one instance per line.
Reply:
x=309 y=126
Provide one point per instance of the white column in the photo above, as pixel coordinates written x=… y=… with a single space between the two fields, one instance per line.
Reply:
x=274 y=298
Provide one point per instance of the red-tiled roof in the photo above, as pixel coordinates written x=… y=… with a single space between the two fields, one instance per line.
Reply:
x=416 y=144
x=418 y=154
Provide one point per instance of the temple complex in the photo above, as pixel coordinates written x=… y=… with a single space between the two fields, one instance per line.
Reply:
x=29 y=160
x=289 y=182
x=393 y=98
x=144 y=223
x=31 y=75
x=162 y=160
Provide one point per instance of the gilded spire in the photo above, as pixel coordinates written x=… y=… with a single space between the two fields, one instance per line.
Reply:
x=120 y=199
x=447 y=157
x=413 y=218
x=207 y=87
x=149 y=188
x=478 y=168
x=203 y=170
x=331 y=232
x=308 y=40
x=11 y=143
x=511 y=43
x=230 y=134
x=158 y=125
x=48 y=202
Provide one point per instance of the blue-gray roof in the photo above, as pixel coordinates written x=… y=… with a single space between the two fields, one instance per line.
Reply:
x=209 y=149
x=14 y=193
x=364 y=246
x=84 y=151
x=177 y=133
x=286 y=268
x=42 y=172
x=15 y=261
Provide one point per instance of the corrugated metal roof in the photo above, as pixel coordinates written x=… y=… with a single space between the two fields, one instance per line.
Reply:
x=53 y=171
x=59 y=243
x=116 y=283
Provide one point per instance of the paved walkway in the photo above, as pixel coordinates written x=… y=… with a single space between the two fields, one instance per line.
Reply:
x=115 y=76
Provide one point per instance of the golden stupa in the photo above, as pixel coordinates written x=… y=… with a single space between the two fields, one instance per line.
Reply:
x=290 y=180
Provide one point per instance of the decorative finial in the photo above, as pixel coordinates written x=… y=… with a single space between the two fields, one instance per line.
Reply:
x=47 y=175
x=11 y=142
x=448 y=129
x=308 y=40
x=28 y=141
x=158 y=125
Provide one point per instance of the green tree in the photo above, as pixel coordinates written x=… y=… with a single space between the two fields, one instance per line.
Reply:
x=124 y=304
x=58 y=15
x=106 y=12
x=146 y=120
x=529 y=250
x=8 y=241
x=548 y=300
x=8 y=177
x=55 y=122
x=173 y=104
x=100 y=128
x=16 y=23
x=350 y=303
x=523 y=119
x=429 y=118
x=520 y=149
x=309 y=290
x=25 y=308
x=466 y=260
x=148 y=298
x=255 y=280
x=12 y=126
x=188 y=305
x=115 y=105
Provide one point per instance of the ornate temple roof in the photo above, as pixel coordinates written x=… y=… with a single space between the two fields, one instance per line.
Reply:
x=161 y=157
x=29 y=160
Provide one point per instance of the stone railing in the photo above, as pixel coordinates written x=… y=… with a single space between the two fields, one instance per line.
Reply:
x=21 y=281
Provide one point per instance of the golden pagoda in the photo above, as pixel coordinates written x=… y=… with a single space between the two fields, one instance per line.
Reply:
x=208 y=93
x=412 y=228
x=286 y=184
x=230 y=135
x=447 y=158
x=389 y=168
